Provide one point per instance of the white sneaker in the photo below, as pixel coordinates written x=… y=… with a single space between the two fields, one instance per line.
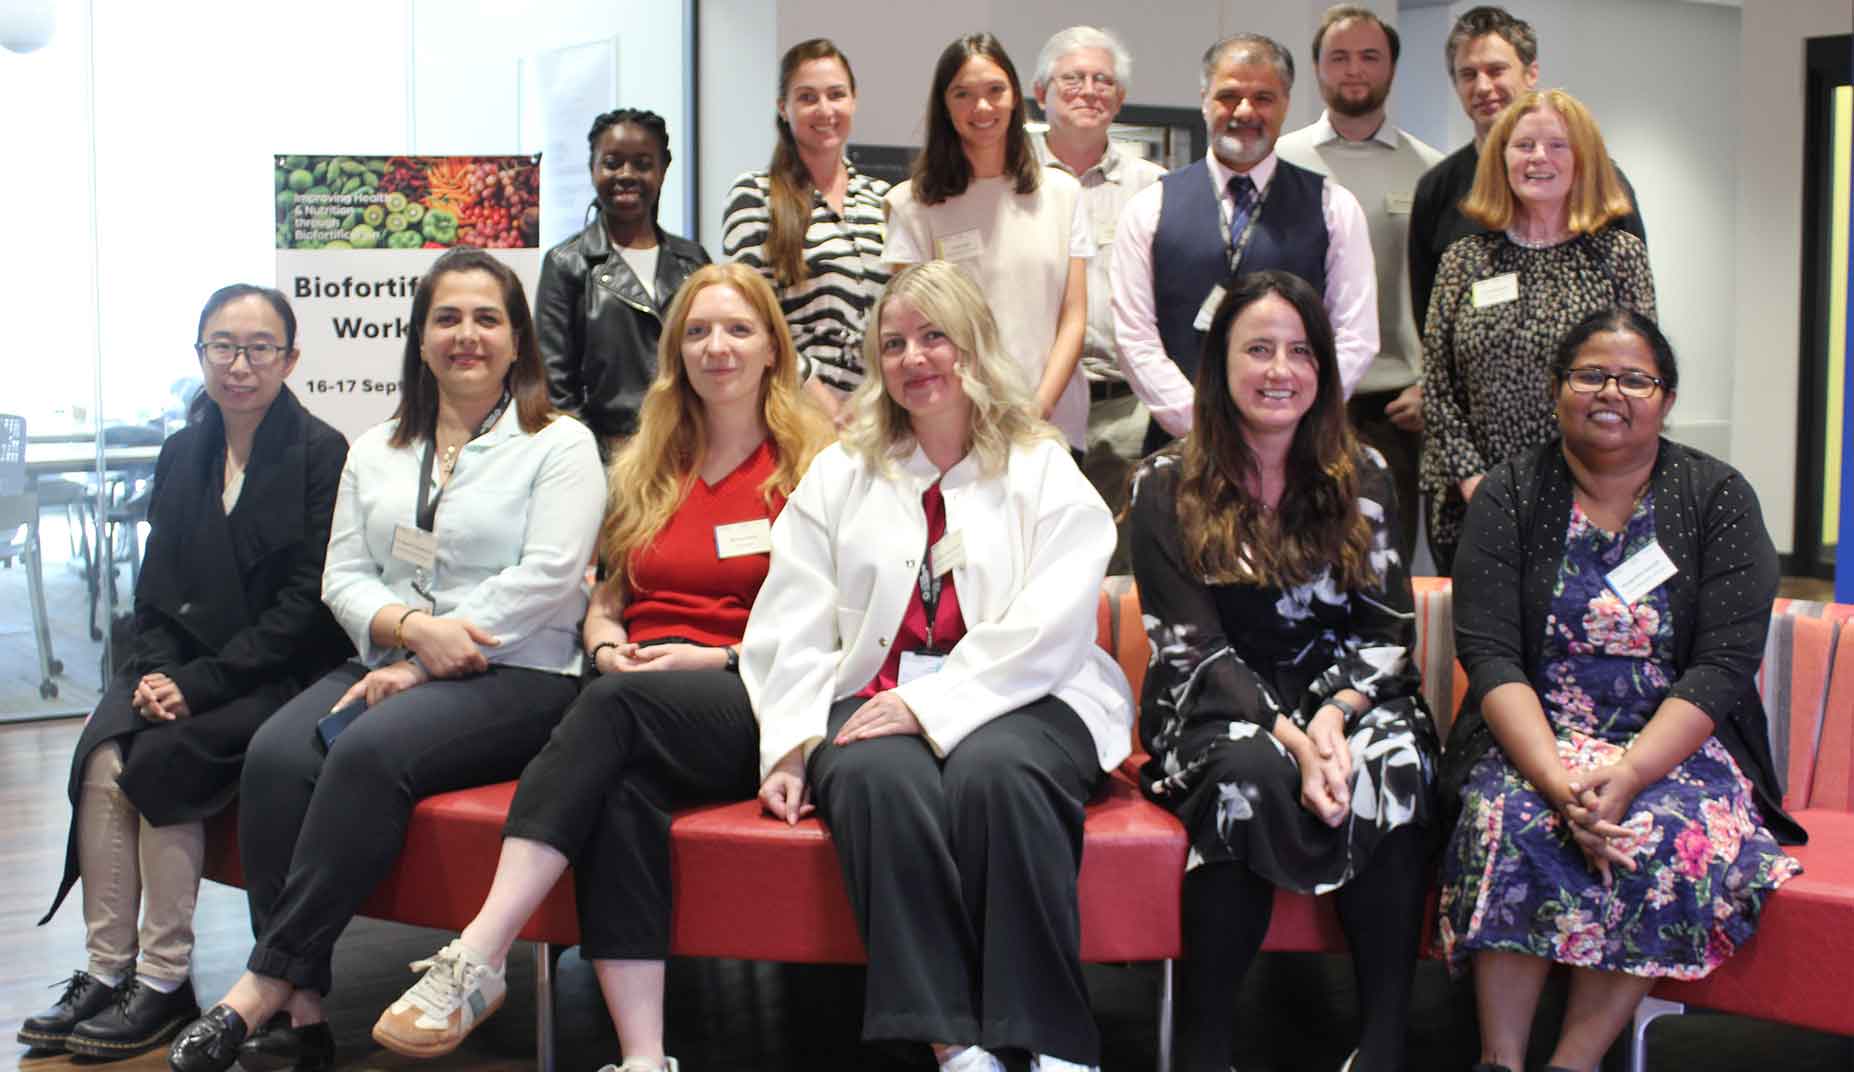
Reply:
x=972 y=1059
x=1045 y=1063
x=643 y=1064
x=457 y=992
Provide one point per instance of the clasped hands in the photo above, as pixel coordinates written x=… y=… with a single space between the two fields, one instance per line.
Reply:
x=1325 y=759
x=157 y=699
x=441 y=648
x=1593 y=804
x=785 y=795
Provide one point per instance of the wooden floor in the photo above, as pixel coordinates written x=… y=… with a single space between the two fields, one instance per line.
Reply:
x=1295 y=1012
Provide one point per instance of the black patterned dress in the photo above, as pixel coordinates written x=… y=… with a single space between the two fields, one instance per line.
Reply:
x=1487 y=368
x=1228 y=658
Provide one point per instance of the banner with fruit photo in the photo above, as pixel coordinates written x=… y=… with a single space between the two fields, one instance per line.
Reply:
x=355 y=234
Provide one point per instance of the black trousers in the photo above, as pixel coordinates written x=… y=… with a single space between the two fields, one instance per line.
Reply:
x=1402 y=450
x=962 y=874
x=318 y=833
x=631 y=749
x=1226 y=909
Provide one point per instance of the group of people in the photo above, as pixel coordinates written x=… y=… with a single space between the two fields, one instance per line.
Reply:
x=811 y=526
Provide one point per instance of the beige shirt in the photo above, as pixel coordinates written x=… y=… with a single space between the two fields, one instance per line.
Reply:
x=1105 y=190
x=1382 y=171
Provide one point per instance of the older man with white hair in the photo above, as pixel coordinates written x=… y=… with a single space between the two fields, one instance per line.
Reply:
x=1082 y=76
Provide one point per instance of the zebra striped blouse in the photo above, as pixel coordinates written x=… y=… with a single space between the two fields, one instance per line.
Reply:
x=843 y=255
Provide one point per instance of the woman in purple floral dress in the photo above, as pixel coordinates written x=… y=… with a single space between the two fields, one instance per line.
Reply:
x=1612 y=759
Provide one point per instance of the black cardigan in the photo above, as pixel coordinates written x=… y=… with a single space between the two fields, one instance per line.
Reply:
x=1707 y=520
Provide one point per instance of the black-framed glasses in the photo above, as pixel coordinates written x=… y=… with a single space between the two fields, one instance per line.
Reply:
x=1074 y=80
x=1588 y=381
x=220 y=353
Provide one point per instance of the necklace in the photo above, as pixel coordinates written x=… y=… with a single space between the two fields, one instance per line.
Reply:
x=1523 y=242
x=447 y=463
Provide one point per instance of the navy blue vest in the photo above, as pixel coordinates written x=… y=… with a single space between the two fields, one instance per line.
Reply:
x=1190 y=252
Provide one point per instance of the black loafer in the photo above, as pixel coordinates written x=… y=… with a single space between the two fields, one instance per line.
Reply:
x=279 y=1046
x=84 y=996
x=210 y=1043
x=141 y=1019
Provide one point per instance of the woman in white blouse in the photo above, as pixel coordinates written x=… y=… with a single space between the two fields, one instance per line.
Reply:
x=461 y=535
x=978 y=197
x=925 y=639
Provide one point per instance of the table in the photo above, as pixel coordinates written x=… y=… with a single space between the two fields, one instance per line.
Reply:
x=51 y=459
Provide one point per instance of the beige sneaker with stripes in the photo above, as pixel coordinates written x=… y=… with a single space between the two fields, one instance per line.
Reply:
x=457 y=992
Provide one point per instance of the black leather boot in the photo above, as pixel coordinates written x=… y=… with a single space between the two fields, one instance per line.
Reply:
x=84 y=996
x=278 y=1047
x=210 y=1043
x=140 y=1019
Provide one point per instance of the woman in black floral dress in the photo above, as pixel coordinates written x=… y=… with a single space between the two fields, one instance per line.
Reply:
x=1281 y=709
x=1547 y=193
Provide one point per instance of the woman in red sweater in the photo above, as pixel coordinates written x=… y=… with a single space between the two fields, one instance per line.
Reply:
x=722 y=438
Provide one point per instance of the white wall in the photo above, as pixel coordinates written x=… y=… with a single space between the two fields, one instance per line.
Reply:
x=1767 y=272
x=738 y=65
x=465 y=70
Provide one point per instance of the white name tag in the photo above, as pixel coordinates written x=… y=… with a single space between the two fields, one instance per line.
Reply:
x=959 y=246
x=415 y=547
x=1208 y=311
x=948 y=553
x=917 y=664
x=1496 y=291
x=1104 y=232
x=1399 y=204
x=1641 y=574
x=743 y=538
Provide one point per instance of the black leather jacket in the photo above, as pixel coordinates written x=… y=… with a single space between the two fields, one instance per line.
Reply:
x=598 y=328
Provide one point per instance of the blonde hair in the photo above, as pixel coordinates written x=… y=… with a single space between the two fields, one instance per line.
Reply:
x=650 y=476
x=1597 y=197
x=880 y=431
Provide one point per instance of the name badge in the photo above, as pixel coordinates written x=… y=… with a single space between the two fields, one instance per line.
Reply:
x=959 y=246
x=415 y=547
x=917 y=664
x=1104 y=232
x=1641 y=574
x=1399 y=204
x=1208 y=311
x=948 y=553
x=743 y=538
x=1496 y=291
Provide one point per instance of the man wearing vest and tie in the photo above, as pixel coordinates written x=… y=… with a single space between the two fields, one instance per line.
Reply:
x=1238 y=210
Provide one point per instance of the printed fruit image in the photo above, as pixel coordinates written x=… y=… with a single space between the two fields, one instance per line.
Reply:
x=301 y=180
x=364 y=237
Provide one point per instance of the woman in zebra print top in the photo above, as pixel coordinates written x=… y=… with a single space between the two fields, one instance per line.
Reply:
x=811 y=223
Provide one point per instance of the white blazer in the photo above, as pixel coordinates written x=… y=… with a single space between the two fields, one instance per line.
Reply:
x=846 y=562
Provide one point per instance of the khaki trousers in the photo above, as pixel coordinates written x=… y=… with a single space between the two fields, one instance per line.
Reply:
x=121 y=857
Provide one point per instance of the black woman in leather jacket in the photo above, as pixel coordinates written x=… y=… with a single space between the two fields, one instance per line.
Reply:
x=599 y=308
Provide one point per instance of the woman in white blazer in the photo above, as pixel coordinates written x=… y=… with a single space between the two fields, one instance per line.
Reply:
x=922 y=662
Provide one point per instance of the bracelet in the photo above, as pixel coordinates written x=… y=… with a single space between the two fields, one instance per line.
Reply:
x=732 y=665
x=399 y=631
x=1348 y=710
x=599 y=647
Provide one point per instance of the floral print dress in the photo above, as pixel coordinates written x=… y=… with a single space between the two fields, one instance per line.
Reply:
x=1228 y=658
x=1514 y=881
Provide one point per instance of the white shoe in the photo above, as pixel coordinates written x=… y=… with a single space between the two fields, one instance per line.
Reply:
x=1045 y=1063
x=457 y=992
x=643 y=1064
x=973 y=1059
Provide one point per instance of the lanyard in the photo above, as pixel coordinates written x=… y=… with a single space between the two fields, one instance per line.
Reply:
x=931 y=585
x=427 y=502
x=1248 y=228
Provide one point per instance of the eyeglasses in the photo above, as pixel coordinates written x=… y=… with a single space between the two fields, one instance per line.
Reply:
x=220 y=353
x=1588 y=381
x=1074 y=80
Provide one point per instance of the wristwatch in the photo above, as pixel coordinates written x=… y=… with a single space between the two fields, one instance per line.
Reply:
x=733 y=660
